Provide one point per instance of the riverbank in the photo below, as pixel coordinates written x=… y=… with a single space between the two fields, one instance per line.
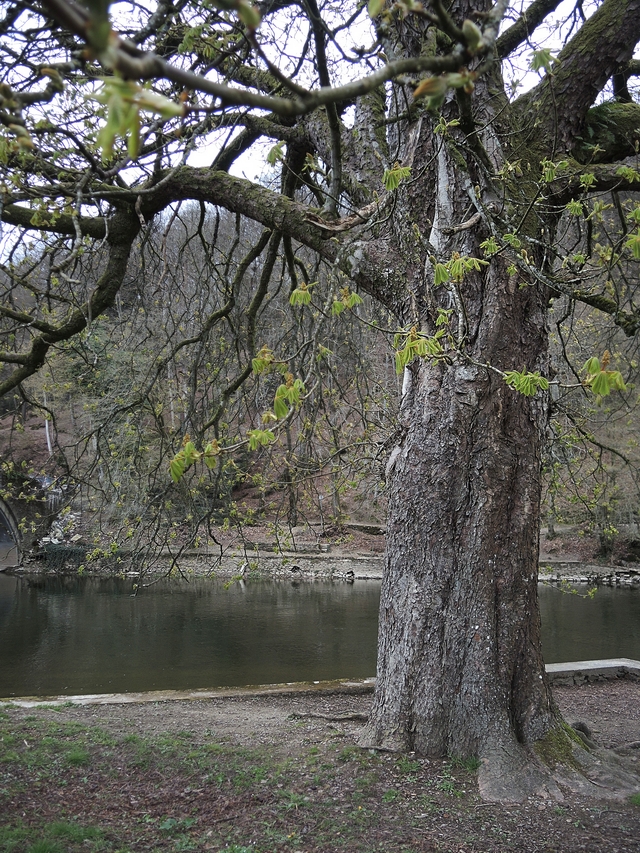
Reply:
x=354 y=552
x=282 y=774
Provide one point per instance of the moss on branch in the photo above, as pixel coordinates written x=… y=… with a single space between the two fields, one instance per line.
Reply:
x=611 y=132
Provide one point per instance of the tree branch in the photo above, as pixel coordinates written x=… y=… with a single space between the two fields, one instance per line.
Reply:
x=602 y=45
x=519 y=32
x=123 y=230
x=128 y=60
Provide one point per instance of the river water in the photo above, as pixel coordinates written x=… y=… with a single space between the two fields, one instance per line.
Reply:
x=86 y=635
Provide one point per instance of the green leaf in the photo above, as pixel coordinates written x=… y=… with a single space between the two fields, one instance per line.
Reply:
x=300 y=296
x=592 y=366
x=542 y=60
x=616 y=381
x=337 y=308
x=444 y=315
x=258 y=437
x=442 y=275
x=600 y=384
x=433 y=87
x=513 y=240
x=211 y=452
x=263 y=361
x=628 y=174
x=575 y=208
x=472 y=34
x=392 y=177
x=276 y=153
x=375 y=7
x=633 y=244
x=489 y=247
x=177 y=467
x=190 y=453
x=280 y=406
x=524 y=383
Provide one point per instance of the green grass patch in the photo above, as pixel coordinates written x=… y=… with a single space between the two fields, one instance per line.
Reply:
x=78 y=757
x=58 y=837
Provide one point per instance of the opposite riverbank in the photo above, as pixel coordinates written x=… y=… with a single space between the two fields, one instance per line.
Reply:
x=311 y=552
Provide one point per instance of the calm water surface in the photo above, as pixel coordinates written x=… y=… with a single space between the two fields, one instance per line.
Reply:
x=77 y=635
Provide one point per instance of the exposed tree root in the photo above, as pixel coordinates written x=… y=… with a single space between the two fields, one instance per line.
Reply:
x=333 y=718
x=513 y=775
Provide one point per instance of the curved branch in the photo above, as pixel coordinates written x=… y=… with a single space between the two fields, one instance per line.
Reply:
x=14 y=214
x=519 y=32
x=123 y=230
x=602 y=45
x=127 y=59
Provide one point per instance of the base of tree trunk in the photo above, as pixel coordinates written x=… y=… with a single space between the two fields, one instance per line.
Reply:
x=557 y=765
x=598 y=774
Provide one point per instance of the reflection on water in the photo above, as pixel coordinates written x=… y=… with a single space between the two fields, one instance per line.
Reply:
x=82 y=635
x=8 y=549
x=74 y=635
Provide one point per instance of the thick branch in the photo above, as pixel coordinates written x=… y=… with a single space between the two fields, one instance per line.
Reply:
x=628 y=321
x=603 y=44
x=123 y=230
x=14 y=214
x=519 y=32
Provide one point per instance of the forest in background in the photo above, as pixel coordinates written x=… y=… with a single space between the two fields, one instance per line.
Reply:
x=208 y=335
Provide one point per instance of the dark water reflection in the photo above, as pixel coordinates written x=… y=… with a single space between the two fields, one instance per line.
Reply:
x=8 y=550
x=77 y=635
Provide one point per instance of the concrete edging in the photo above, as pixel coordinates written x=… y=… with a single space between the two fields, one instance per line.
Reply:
x=562 y=674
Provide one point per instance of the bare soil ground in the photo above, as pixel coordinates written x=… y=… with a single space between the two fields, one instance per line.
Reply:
x=281 y=773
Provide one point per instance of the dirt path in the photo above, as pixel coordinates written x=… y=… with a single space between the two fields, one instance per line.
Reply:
x=280 y=774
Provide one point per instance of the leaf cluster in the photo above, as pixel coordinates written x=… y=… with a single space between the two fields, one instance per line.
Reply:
x=189 y=454
x=526 y=383
x=600 y=380
x=412 y=344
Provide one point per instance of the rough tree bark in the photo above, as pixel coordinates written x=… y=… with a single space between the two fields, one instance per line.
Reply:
x=460 y=668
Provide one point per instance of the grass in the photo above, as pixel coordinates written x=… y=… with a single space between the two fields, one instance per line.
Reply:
x=66 y=787
x=57 y=836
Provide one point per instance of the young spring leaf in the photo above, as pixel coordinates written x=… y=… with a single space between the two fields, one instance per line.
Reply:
x=633 y=244
x=525 y=383
x=575 y=208
x=392 y=177
x=300 y=296
x=280 y=404
x=432 y=87
x=592 y=366
x=211 y=452
x=177 y=467
x=542 y=60
x=472 y=34
x=441 y=274
x=259 y=437
x=276 y=153
x=489 y=247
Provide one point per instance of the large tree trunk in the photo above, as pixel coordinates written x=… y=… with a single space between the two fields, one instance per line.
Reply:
x=460 y=668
